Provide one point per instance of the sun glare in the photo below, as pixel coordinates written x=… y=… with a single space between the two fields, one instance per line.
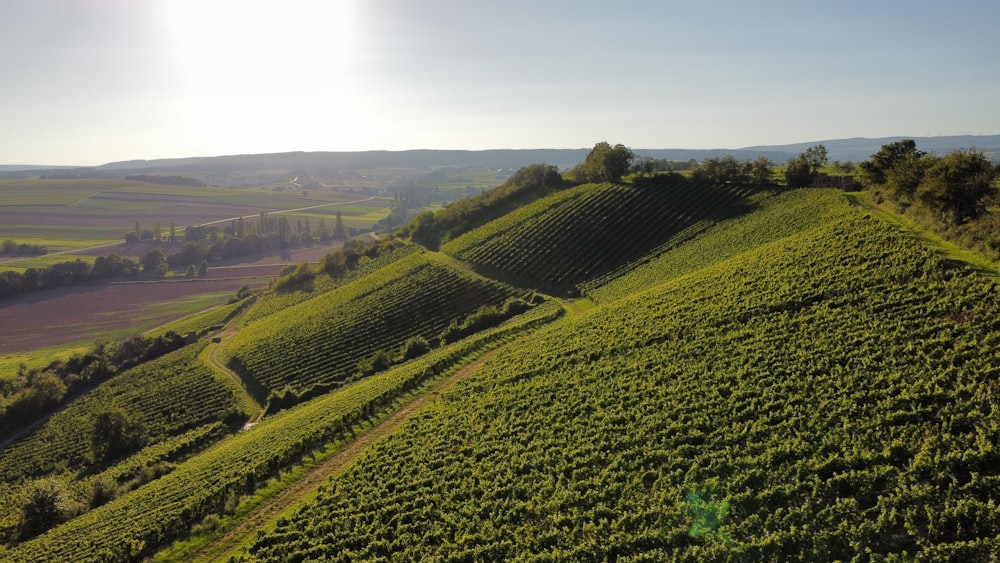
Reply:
x=259 y=70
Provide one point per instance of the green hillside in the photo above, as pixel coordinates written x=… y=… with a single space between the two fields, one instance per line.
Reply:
x=133 y=526
x=168 y=396
x=750 y=375
x=826 y=395
x=586 y=231
x=319 y=343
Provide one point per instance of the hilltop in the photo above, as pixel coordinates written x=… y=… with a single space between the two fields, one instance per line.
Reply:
x=670 y=368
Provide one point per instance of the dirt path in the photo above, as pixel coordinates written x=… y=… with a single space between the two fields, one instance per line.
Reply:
x=221 y=548
x=211 y=355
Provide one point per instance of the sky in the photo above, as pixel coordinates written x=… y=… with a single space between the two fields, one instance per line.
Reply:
x=86 y=82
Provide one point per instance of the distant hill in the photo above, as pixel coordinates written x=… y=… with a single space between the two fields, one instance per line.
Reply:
x=257 y=169
x=860 y=148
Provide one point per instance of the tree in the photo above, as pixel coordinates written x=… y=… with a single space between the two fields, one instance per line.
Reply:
x=46 y=505
x=956 y=185
x=802 y=170
x=116 y=434
x=605 y=163
x=338 y=228
x=761 y=171
x=721 y=171
x=152 y=260
x=203 y=268
x=875 y=171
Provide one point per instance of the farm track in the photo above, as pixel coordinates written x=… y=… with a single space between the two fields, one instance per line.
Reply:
x=211 y=356
x=294 y=493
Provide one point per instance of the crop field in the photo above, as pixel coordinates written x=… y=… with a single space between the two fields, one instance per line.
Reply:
x=76 y=214
x=829 y=393
x=322 y=340
x=237 y=465
x=83 y=313
x=584 y=232
x=60 y=446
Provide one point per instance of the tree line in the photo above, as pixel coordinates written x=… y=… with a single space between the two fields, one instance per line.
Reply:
x=12 y=248
x=202 y=246
x=955 y=188
x=37 y=391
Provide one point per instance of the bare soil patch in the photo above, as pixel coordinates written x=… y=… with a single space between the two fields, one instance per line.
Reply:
x=72 y=314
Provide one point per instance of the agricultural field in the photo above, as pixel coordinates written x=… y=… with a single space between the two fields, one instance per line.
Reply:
x=89 y=217
x=748 y=374
x=321 y=341
x=204 y=484
x=822 y=394
x=586 y=231
x=81 y=314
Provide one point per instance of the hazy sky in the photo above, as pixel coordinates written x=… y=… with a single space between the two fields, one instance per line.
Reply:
x=93 y=81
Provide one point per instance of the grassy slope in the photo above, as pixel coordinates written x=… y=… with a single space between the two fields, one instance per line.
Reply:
x=817 y=396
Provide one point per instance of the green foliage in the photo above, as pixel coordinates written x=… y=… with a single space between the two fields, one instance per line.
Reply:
x=875 y=171
x=45 y=506
x=604 y=163
x=170 y=395
x=801 y=171
x=299 y=275
x=956 y=185
x=115 y=434
x=168 y=507
x=722 y=171
x=706 y=243
x=414 y=347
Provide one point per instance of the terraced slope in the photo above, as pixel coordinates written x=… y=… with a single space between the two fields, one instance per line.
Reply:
x=828 y=395
x=584 y=232
x=318 y=344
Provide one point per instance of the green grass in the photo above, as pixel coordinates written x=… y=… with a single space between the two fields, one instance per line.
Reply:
x=39 y=357
x=46 y=260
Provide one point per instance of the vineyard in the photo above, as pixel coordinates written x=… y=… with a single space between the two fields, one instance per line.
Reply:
x=826 y=395
x=170 y=395
x=320 y=342
x=751 y=376
x=775 y=216
x=207 y=482
x=584 y=232
x=274 y=301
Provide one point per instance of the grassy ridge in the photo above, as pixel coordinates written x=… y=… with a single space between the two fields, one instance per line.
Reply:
x=321 y=341
x=823 y=396
x=580 y=233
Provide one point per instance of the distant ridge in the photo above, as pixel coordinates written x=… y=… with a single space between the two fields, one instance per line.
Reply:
x=860 y=148
x=854 y=149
